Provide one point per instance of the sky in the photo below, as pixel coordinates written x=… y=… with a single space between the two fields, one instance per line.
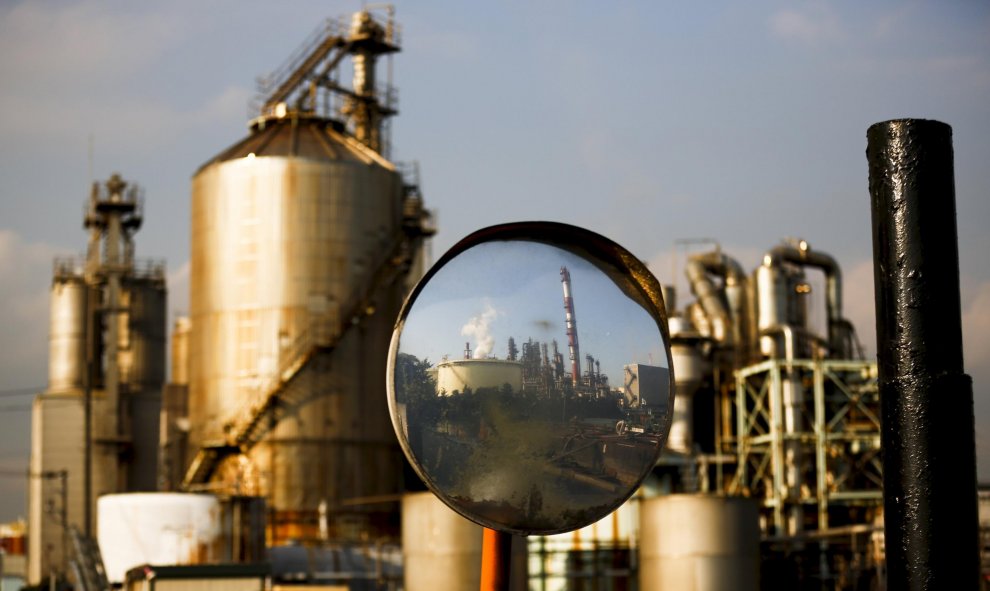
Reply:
x=648 y=122
x=498 y=290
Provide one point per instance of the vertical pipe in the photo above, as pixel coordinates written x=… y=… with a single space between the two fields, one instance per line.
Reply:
x=496 y=560
x=928 y=439
x=90 y=374
x=571 y=320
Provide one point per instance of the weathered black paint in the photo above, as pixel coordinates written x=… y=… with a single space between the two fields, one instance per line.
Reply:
x=928 y=439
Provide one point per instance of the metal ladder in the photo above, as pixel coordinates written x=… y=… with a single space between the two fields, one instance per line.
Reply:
x=316 y=342
x=87 y=565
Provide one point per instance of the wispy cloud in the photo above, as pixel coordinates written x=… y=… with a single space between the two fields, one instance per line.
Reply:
x=812 y=24
x=449 y=45
x=479 y=327
x=25 y=279
x=95 y=53
x=859 y=305
x=84 y=41
x=976 y=356
x=976 y=330
x=178 y=289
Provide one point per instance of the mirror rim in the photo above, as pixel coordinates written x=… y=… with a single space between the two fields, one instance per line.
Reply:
x=627 y=271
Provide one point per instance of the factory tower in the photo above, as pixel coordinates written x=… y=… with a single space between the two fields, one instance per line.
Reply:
x=95 y=429
x=304 y=239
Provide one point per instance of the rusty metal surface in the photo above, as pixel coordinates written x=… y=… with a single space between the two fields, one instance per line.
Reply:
x=698 y=542
x=67 y=334
x=281 y=242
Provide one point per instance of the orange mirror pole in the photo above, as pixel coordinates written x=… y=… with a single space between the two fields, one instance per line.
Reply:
x=495 y=560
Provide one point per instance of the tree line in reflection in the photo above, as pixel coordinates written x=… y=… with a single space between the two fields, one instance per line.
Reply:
x=528 y=456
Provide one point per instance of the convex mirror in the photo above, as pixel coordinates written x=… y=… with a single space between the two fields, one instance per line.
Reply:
x=529 y=377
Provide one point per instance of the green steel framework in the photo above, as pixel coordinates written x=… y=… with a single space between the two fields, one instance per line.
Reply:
x=843 y=413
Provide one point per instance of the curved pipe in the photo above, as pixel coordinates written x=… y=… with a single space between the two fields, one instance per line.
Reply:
x=717 y=263
x=704 y=289
x=803 y=256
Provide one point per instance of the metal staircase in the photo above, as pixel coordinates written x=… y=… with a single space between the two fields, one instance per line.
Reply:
x=87 y=565
x=283 y=393
x=313 y=63
x=287 y=81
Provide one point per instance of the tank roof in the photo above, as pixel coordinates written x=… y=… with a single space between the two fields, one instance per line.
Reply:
x=299 y=136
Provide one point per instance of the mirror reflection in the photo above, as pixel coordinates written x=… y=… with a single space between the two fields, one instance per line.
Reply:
x=530 y=391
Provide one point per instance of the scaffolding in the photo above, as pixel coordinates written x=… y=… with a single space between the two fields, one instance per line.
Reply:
x=840 y=446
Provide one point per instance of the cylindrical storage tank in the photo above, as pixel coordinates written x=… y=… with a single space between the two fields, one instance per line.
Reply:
x=457 y=374
x=142 y=370
x=441 y=551
x=689 y=370
x=159 y=529
x=288 y=227
x=143 y=366
x=67 y=335
x=598 y=556
x=699 y=543
x=778 y=303
x=180 y=351
x=771 y=307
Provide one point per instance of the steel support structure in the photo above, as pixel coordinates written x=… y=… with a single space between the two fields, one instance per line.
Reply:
x=844 y=441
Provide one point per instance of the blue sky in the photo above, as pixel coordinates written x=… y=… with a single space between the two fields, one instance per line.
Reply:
x=513 y=289
x=644 y=121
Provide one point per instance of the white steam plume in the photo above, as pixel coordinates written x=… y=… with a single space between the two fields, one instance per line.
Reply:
x=477 y=327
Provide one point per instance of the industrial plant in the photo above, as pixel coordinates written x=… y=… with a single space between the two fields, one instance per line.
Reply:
x=519 y=442
x=266 y=455
x=771 y=477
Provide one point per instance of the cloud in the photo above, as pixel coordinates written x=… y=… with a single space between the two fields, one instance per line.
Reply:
x=25 y=280
x=812 y=25
x=976 y=328
x=132 y=121
x=101 y=56
x=85 y=41
x=859 y=304
x=479 y=327
x=178 y=290
x=424 y=37
x=976 y=356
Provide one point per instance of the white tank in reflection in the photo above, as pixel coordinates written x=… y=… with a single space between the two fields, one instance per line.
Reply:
x=507 y=434
x=459 y=375
x=511 y=440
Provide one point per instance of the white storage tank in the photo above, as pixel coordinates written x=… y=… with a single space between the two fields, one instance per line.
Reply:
x=699 y=543
x=158 y=529
x=599 y=556
x=458 y=374
x=441 y=551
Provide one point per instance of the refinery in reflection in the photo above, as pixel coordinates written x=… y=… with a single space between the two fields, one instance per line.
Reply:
x=518 y=439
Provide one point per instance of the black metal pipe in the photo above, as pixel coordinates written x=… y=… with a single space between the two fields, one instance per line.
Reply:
x=928 y=439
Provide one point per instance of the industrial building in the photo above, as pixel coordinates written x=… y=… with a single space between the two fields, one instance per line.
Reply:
x=305 y=240
x=95 y=428
x=773 y=453
x=771 y=476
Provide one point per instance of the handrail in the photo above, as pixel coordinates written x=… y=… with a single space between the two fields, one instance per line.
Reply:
x=329 y=27
x=324 y=333
x=75 y=266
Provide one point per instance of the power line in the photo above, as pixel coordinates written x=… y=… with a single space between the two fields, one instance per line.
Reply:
x=15 y=408
x=10 y=392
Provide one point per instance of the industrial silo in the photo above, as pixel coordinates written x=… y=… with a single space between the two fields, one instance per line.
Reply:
x=95 y=428
x=302 y=239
